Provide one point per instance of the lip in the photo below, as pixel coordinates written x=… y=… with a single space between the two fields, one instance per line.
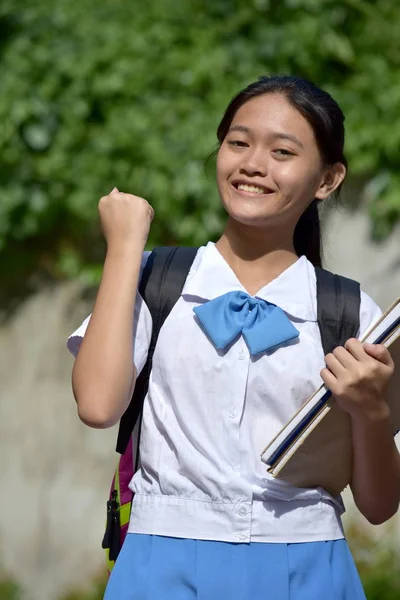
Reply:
x=236 y=182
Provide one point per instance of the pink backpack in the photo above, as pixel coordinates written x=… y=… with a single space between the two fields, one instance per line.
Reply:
x=120 y=501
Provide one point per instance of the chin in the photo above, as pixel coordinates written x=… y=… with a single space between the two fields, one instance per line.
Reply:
x=251 y=213
x=256 y=212
x=250 y=220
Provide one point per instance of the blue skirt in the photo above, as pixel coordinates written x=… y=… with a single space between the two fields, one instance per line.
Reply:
x=163 y=568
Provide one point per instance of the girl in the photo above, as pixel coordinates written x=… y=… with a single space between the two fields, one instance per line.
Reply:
x=207 y=521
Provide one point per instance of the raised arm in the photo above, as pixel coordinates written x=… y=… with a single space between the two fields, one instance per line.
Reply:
x=104 y=375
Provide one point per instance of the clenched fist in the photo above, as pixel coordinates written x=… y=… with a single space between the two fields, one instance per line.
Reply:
x=125 y=218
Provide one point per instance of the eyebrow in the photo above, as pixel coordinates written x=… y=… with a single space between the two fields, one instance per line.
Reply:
x=275 y=135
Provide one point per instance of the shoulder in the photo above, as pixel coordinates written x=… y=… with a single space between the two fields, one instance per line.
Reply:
x=370 y=312
x=142 y=319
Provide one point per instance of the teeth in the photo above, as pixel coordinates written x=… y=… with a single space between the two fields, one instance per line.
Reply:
x=251 y=188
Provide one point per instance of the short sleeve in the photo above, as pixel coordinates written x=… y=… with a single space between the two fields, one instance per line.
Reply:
x=142 y=329
x=369 y=313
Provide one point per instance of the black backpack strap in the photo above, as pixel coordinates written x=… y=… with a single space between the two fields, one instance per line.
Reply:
x=160 y=287
x=338 y=308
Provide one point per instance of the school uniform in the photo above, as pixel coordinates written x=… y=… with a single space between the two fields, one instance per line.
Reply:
x=207 y=520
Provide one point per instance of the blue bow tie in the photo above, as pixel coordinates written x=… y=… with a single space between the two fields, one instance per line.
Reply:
x=264 y=325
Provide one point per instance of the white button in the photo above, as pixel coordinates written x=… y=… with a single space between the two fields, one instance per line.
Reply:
x=242 y=355
x=233 y=414
x=242 y=511
x=241 y=536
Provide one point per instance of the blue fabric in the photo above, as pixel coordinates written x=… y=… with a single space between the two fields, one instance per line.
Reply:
x=163 y=568
x=264 y=325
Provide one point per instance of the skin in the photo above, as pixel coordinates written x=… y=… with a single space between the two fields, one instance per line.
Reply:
x=270 y=144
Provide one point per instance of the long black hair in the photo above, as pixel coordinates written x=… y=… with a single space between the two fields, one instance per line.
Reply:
x=327 y=121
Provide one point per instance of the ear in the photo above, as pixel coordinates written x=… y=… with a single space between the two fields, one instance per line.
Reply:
x=330 y=180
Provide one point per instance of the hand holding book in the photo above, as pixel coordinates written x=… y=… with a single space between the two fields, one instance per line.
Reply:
x=357 y=376
x=315 y=447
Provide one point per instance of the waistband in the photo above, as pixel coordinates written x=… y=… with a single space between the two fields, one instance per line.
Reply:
x=243 y=521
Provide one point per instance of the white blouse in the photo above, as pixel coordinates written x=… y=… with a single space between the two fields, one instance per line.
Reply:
x=208 y=415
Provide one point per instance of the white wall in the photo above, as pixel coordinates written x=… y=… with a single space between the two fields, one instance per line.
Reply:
x=55 y=472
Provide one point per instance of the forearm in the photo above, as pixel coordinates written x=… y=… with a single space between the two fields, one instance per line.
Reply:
x=103 y=375
x=376 y=467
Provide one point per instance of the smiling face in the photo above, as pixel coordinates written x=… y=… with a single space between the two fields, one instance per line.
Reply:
x=269 y=168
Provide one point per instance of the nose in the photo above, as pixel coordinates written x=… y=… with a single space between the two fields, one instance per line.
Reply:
x=255 y=163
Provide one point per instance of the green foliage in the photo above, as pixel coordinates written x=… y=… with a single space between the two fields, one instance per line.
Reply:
x=377 y=563
x=130 y=94
x=9 y=590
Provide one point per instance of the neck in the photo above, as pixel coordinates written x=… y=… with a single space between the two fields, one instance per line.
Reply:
x=256 y=256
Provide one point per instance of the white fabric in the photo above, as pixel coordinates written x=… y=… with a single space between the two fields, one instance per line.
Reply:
x=209 y=414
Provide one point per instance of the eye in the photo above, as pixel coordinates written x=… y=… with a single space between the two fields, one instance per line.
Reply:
x=283 y=152
x=237 y=143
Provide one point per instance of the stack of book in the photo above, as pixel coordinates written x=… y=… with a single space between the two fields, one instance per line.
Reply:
x=315 y=446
